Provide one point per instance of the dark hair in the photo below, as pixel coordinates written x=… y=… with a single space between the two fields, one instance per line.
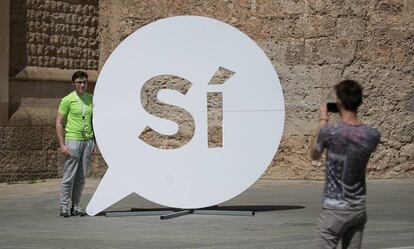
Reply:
x=79 y=74
x=349 y=92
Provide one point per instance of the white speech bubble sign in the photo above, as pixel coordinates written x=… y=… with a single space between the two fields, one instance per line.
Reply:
x=194 y=175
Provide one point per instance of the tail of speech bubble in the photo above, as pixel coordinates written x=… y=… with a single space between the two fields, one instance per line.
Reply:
x=112 y=188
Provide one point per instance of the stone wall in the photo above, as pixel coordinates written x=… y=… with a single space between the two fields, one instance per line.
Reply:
x=4 y=63
x=313 y=44
x=28 y=145
x=49 y=40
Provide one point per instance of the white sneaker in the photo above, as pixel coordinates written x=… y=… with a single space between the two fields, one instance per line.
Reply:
x=77 y=210
x=64 y=211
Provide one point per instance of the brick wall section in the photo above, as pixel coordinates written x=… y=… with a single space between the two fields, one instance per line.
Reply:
x=62 y=34
x=55 y=34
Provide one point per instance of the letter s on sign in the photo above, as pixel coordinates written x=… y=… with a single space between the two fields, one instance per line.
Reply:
x=151 y=104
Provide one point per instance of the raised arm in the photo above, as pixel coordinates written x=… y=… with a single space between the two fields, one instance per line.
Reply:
x=316 y=154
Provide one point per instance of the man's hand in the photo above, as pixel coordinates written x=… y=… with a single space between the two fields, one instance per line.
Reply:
x=95 y=148
x=323 y=113
x=65 y=150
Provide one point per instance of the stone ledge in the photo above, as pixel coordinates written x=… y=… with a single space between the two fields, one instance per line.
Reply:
x=35 y=112
x=52 y=74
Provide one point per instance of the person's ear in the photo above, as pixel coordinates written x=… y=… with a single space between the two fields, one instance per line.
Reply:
x=339 y=103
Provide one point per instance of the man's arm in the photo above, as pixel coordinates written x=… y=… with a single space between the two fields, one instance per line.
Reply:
x=323 y=120
x=95 y=145
x=60 y=120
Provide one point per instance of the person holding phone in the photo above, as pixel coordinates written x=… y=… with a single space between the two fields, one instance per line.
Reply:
x=349 y=144
x=76 y=139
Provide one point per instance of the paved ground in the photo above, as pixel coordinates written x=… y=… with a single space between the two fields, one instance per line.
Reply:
x=28 y=219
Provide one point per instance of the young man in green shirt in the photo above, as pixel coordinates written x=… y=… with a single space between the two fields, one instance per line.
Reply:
x=76 y=139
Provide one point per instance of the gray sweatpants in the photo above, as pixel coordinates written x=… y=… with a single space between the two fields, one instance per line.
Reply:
x=75 y=171
x=344 y=225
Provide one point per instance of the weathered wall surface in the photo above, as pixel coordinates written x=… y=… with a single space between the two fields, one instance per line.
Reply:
x=4 y=63
x=312 y=44
x=56 y=34
x=49 y=40
x=28 y=145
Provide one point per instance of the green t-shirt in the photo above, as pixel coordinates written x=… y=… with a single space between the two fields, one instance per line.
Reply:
x=71 y=107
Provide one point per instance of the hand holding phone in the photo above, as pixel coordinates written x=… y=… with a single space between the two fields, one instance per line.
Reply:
x=332 y=107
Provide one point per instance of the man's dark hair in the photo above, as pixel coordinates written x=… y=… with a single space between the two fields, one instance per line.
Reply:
x=79 y=74
x=349 y=92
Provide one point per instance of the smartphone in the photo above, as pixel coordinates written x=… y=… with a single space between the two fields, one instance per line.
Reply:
x=332 y=107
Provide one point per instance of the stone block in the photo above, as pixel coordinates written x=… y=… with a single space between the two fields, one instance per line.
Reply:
x=264 y=8
x=275 y=50
x=288 y=27
x=9 y=161
x=292 y=160
x=4 y=54
x=299 y=76
x=98 y=166
x=52 y=160
x=49 y=24
x=294 y=7
x=387 y=11
x=320 y=26
x=26 y=164
x=252 y=26
x=4 y=137
x=409 y=103
x=330 y=76
x=34 y=116
x=31 y=161
x=4 y=90
x=49 y=138
x=350 y=28
x=304 y=90
x=21 y=138
x=295 y=51
x=4 y=18
x=329 y=51
x=407 y=152
x=317 y=6
x=375 y=51
x=4 y=113
x=339 y=8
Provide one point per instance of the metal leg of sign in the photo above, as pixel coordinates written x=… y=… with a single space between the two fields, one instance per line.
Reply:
x=170 y=214
x=224 y=212
x=176 y=214
x=207 y=212
x=136 y=213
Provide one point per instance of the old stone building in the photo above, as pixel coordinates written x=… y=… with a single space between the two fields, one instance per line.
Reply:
x=312 y=44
